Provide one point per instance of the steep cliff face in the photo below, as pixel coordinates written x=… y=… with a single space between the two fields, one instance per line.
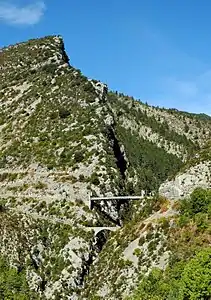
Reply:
x=195 y=173
x=64 y=137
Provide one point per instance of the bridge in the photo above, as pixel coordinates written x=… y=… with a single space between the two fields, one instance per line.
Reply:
x=110 y=198
x=99 y=229
x=95 y=229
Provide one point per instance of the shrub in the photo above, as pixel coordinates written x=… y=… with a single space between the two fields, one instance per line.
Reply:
x=2 y=207
x=63 y=113
x=81 y=177
x=183 y=220
x=196 y=277
x=40 y=185
x=79 y=155
x=51 y=68
x=201 y=220
x=13 y=284
x=94 y=179
x=53 y=115
x=199 y=201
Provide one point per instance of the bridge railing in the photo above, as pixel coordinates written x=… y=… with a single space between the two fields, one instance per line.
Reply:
x=116 y=198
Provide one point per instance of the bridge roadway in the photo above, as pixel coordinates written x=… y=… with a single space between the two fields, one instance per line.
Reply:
x=110 y=198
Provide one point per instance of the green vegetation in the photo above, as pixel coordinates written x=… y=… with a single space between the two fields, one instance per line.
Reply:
x=188 y=275
x=70 y=133
x=127 y=105
x=186 y=280
x=152 y=164
x=198 y=202
x=13 y=284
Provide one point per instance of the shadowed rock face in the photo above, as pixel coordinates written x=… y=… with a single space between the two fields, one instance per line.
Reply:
x=63 y=137
x=118 y=153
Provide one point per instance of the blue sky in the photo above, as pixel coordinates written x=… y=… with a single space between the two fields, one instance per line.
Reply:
x=155 y=50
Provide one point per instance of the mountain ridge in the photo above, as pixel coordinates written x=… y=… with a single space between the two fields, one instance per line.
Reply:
x=63 y=137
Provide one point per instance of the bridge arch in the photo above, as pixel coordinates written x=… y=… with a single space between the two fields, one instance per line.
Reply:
x=97 y=230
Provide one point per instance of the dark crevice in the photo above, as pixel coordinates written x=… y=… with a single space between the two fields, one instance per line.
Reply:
x=42 y=285
x=121 y=163
x=85 y=269
x=119 y=155
x=34 y=263
x=121 y=206
x=100 y=239
x=96 y=247
x=86 y=264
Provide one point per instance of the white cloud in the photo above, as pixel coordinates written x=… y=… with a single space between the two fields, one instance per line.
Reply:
x=183 y=88
x=191 y=95
x=21 y=15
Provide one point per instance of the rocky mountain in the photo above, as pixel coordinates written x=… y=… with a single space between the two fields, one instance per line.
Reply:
x=64 y=137
x=195 y=173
